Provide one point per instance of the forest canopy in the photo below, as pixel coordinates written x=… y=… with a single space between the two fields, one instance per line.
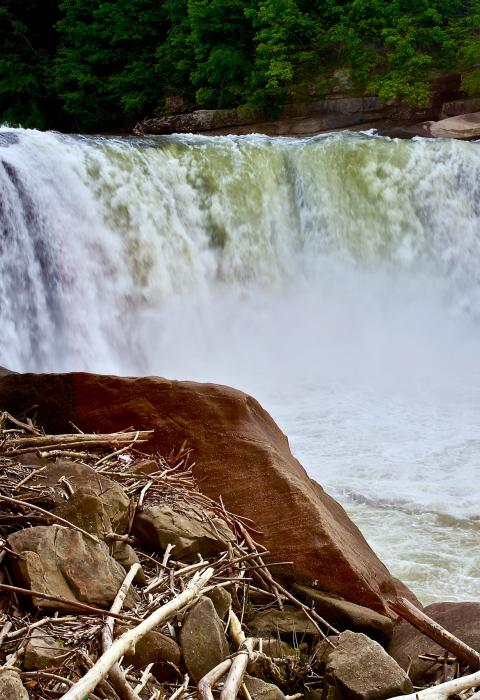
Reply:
x=86 y=64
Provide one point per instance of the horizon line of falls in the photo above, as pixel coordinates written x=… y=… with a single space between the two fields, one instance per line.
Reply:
x=337 y=279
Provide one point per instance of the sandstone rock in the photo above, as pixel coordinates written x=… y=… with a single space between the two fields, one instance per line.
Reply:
x=290 y=620
x=89 y=482
x=323 y=650
x=202 y=639
x=86 y=511
x=43 y=651
x=182 y=526
x=461 y=619
x=63 y=562
x=11 y=687
x=464 y=126
x=345 y=615
x=236 y=444
x=360 y=668
x=276 y=648
x=126 y=556
x=260 y=690
x=154 y=647
x=221 y=600
x=464 y=106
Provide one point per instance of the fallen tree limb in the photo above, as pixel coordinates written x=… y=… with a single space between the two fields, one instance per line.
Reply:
x=90 y=439
x=205 y=685
x=407 y=611
x=127 y=641
x=444 y=690
x=116 y=675
x=240 y=662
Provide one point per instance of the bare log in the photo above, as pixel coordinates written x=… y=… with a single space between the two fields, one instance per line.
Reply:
x=205 y=685
x=128 y=640
x=406 y=610
x=444 y=690
x=87 y=439
x=116 y=675
x=240 y=662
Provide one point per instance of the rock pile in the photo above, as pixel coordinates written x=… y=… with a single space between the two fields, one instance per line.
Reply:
x=119 y=578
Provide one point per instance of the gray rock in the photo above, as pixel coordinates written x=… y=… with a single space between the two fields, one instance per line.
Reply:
x=11 y=687
x=345 y=615
x=64 y=562
x=88 y=481
x=183 y=526
x=271 y=622
x=43 y=651
x=126 y=556
x=260 y=690
x=202 y=639
x=86 y=511
x=153 y=648
x=463 y=126
x=221 y=599
x=360 y=669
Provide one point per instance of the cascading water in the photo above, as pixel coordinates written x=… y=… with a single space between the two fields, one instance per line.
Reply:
x=335 y=278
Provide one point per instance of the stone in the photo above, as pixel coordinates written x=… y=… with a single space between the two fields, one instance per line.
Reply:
x=43 y=651
x=260 y=690
x=126 y=556
x=202 y=639
x=289 y=620
x=461 y=619
x=276 y=648
x=63 y=562
x=153 y=648
x=221 y=599
x=313 y=691
x=11 y=687
x=360 y=669
x=344 y=615
x=183 y=526
x=82 y=478
x=323 y=650
x=87 y=512
x=463 y=126
x=236 y=444
x=463 y=106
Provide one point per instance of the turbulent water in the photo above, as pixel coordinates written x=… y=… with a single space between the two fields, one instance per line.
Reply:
x=335 y=278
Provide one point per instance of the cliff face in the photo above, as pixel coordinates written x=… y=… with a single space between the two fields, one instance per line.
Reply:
x=240 y=454
x=340 y=110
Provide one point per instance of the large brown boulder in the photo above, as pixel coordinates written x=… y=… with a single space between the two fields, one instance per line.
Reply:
x=407 y=643
x=463 y=126
x=240 y=453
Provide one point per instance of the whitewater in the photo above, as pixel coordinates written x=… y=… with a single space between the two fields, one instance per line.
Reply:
x=336 y=278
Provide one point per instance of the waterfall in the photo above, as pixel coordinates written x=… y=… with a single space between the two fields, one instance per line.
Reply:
x=337 y=278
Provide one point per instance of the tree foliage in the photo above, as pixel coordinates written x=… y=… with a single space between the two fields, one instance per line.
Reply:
x=90 y=64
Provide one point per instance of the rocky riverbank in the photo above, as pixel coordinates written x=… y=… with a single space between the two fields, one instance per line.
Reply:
x=131 y=486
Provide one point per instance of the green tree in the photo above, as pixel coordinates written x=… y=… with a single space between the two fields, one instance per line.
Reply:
x=28 y=45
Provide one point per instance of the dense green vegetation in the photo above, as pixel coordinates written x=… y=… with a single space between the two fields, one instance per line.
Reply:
x=88 y=64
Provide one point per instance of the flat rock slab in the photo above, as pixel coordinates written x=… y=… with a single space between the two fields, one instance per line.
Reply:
x=202 y=639
x=63 y=562
x=360 y=669
x=344 y=615
x=461 y=619
x=260 y=690
x=183 y=526
x=463 y=126
x=290 y=620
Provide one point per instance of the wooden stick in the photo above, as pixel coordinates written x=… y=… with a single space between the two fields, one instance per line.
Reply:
x=128 y=640
x=406 y=610
x=240 y=662
x=205 y=685
x=64 y=522
x=444 y=690
x=42 y=441
x=66 y=601
x=116 y=675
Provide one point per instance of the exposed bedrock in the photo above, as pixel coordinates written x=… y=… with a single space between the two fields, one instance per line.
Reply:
x=240 y=454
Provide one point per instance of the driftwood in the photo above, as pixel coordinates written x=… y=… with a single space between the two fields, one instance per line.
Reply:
x=445 y=690
x=20 y=445
x=127 y=641
x=116 y=675
x=205 y=685
x=436 y=632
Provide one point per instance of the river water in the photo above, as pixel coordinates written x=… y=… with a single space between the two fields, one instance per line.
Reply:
x=336 y=278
